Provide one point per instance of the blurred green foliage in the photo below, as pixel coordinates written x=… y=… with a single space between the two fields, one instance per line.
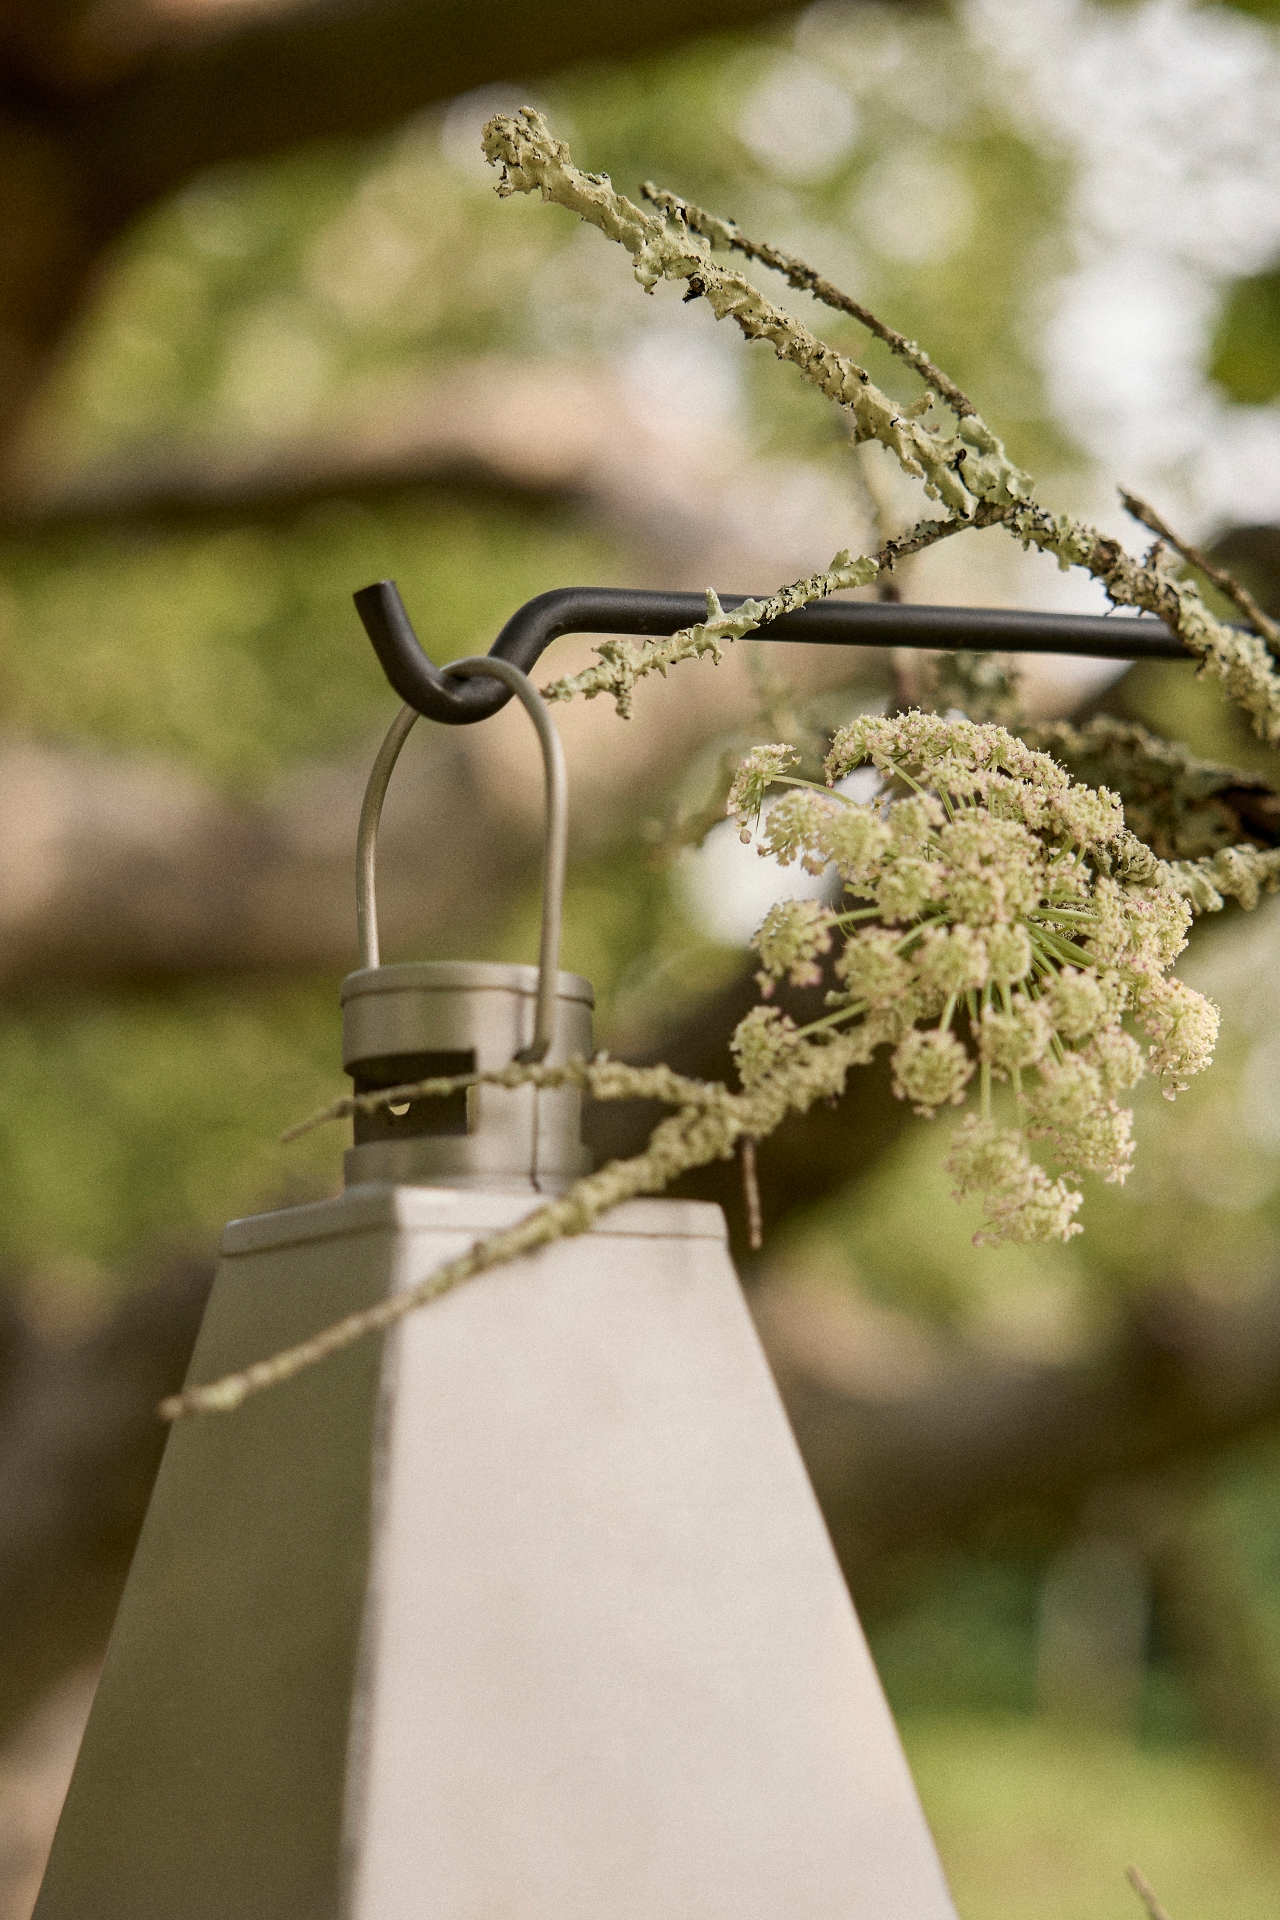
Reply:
x=1261 y=9
x=131 y=1123
x=1245 y=354
x=1040 y=1824
x=234 y=648
x=876 y=143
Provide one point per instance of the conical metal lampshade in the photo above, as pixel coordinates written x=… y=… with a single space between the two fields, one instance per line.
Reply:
x=526 y=1612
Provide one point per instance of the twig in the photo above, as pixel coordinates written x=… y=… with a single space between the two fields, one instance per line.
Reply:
x=727 y=233
x=1236 y=657
x=707 y=1126
x=602 y=1078
x=621 y=663
x=969 y=471
x=751 y=1192
x=1234 y=590
x=570 y=1215
x=961 y=469
x=1145 y=1893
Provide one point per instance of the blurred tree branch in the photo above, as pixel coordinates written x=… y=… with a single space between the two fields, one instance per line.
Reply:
x=127 y=871
x=105 y=109
x=123 y=870
x=693 y=504
x=933 y=1450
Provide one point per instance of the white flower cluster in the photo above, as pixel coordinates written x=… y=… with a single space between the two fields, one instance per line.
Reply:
x=1002 y=924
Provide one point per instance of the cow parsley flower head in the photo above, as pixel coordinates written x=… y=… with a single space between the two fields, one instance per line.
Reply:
x=874 y=969
x=1021 y=1037
x=931 y=1069
x=1077 y=1003
x=999 y=925
x=752 y=781
x=762 y=1042
x=992 y=1164
x=790 y=940
x=1008 y=954
x=799 y=827
x=1183 y=1026
x=952 y=960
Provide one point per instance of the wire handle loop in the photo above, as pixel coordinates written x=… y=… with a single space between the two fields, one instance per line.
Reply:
x=554 y=848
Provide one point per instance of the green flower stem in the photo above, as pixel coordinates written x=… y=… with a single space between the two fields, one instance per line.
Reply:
x=1061 y=948
x=814 y=786
x=900 y=774
x=921 y=927
x=831 y=1019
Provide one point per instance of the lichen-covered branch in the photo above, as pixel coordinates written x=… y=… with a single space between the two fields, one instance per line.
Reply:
x=1234 y=589
x=602 y=1078
x=621 y=663
x=1146 y=1893
x=1184 y=808
x=708 y=1125
x=968 y=470
x=1234 y=873
x=1238 y=660
x=962 y=469
x=806 y=279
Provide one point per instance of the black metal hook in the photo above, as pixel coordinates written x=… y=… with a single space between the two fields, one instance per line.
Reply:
x=634 y=610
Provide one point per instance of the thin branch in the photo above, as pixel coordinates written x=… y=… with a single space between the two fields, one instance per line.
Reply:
x=1253 y=613
x=1237 y=658
x=727 y=233
x=968 y=471
x=963 y=469
x=927 y=533
x=573 y=1214
x=621 y=663
x=708 y=1126
x=1142 y=1887
x=751 y=1193
x=602 y=1078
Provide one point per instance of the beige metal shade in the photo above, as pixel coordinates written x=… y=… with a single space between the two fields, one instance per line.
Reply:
x=531 y=1616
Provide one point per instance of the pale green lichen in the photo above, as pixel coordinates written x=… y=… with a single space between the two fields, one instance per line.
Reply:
x=799 y=274
x=1182 y=807
x=1233 y=873
x=967 y=469
x=1238 y=660
x=963 y=469
x=621 y=663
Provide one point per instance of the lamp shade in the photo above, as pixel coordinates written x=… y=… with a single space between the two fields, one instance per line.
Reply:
x=526 y=1612
x=531 y=1614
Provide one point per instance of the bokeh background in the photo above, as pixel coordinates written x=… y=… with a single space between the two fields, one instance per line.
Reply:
x=267 y=334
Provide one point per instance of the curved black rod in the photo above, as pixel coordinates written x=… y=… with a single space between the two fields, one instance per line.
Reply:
x=845 y=623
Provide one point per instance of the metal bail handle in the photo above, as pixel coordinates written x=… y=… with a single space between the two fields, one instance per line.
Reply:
x=553 y=861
